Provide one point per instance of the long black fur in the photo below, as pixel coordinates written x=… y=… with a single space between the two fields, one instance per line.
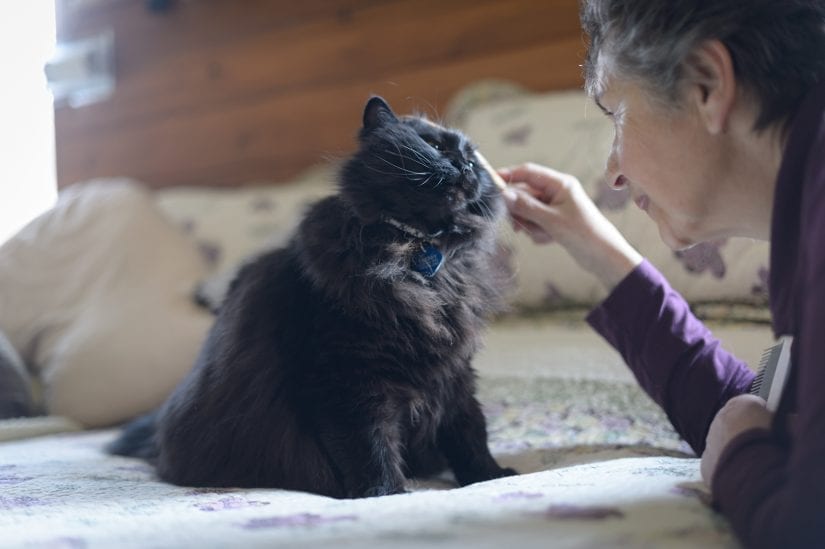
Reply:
x=333 y=366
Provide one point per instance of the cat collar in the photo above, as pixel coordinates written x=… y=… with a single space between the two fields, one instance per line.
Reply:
x=429 y=259
x=412 y=231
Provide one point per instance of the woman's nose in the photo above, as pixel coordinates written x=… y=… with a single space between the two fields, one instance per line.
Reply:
x=613 y=175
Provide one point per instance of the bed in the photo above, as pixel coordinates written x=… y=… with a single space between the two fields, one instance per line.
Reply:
x=97 y=297
x=600 y=464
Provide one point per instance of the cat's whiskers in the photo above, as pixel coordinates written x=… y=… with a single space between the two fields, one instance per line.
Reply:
x=401 y=156
x=423 y=177
x=423 y=160
x=426 y=180
x=418 y=156
x=486 y=211
x=382 y=172
x=419 y=160
x=403 y=170
x=417 y=178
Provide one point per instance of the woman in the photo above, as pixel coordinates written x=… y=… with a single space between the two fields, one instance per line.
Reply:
x=719 y=114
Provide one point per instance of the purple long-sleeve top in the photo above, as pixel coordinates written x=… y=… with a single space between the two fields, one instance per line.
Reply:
x=770 y=483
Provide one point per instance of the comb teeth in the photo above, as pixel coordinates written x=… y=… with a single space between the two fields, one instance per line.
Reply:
x=774 y=368
x=756 y=386
x=497 y=179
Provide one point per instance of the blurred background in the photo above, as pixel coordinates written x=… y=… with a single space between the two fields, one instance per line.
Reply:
x=224 y=93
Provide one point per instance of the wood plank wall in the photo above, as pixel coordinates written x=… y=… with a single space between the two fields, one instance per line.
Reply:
x=227 y=92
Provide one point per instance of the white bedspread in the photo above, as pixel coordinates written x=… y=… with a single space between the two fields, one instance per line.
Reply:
x=600 y=467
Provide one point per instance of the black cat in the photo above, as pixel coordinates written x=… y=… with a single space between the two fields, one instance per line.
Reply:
x=341 y=364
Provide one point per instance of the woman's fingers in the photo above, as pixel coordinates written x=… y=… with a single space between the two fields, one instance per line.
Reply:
x=536 y=233
x=552 y=206
x=521 y=203
x=544 y=182
x=739 y=414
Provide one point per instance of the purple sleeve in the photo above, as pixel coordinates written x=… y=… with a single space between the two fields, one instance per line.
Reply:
x=773 y=491
x=672 y=354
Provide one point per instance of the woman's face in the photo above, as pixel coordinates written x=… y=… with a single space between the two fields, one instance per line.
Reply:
x=669 y=161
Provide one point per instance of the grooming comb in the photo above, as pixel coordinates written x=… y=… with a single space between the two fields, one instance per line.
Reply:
x=773 y=372
x=497 y=179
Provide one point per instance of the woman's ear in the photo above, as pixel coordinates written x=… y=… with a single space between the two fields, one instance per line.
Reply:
x=712 y=84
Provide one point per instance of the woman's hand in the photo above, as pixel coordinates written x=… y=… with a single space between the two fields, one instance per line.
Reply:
x=739 y=414
x=552 y=206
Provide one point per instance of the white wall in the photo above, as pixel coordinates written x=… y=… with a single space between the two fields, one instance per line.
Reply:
x=27 y=167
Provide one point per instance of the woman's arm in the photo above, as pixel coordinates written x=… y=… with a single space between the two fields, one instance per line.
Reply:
x=672 y=354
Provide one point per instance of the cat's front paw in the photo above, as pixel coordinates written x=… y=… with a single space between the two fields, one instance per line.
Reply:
x=490 y=474
x=377 y=491
x=506 y=472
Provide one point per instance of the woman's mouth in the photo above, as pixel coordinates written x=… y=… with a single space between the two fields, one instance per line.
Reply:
x=642 y=202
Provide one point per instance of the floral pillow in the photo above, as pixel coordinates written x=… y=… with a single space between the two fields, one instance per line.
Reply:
x=566 y=131
x=563 y=130
x=230 y=224
x=233 y=225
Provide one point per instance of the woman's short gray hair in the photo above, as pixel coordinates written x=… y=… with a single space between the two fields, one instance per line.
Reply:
x=777 y=46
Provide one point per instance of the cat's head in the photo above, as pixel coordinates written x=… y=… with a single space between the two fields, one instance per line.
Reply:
x=419 y=173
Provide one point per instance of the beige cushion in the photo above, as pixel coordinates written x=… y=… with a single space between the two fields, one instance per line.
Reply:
x=95 y=296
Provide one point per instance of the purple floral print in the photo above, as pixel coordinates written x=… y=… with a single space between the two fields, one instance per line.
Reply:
x=18 y=502
x=702 y=257
x=227 y=503
x=518 y=136
x=576 y=512
x=301 y=519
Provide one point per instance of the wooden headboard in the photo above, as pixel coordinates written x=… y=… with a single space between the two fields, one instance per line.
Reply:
x=228 y=92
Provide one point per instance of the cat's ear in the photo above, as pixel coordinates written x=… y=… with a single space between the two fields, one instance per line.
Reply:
x=376 y=113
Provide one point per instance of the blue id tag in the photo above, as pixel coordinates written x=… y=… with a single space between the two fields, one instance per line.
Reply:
x=428 y=260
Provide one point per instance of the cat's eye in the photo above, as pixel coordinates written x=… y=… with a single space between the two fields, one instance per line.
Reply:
x=433 y=143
